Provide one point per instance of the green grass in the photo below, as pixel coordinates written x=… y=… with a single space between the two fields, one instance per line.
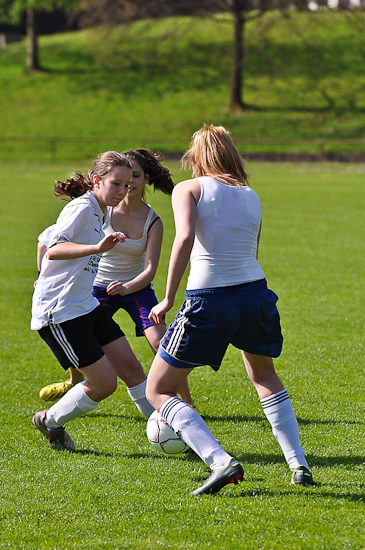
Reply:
x=154 y=83
x=116 y=491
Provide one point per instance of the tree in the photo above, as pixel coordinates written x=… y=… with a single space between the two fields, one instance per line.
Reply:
x=114 y=12
x=242 y=12
x=12 y=11
x=119 y=11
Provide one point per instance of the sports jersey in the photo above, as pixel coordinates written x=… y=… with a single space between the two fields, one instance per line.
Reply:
x=64 y=287
x=228 y=220
x=126 y=260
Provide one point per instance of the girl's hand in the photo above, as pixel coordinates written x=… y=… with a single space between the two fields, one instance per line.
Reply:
x=109 y=242
x=116 y=288
x=72 y=251
x=158 y=313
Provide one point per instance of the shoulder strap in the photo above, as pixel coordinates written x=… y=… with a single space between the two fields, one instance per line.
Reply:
x=151 y=224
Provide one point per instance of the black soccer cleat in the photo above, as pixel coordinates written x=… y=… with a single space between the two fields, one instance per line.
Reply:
x=301 y=476
x=58 y=439
x=232 y=473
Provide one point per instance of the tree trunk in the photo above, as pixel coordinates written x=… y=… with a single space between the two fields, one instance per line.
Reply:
x=237 y=102
x=32 y=52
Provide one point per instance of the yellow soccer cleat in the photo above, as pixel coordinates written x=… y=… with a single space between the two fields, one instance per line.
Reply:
x=55 y=391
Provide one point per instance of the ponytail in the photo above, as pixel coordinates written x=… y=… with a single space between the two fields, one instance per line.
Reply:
x=74 y=186
x=159 y=176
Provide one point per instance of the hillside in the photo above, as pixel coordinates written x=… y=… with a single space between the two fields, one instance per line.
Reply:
x=155 y=82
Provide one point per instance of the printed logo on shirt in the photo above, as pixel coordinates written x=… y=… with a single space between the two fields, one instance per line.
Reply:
x=92 y=264
x=100 y=228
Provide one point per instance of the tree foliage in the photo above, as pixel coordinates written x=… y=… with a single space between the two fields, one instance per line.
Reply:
x=12 y=11
x=114 y=12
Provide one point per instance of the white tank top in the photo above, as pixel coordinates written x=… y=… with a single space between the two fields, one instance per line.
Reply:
x=126 y=260
x=227 y=226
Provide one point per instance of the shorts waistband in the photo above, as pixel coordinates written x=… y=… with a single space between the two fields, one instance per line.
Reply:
x=244 y=288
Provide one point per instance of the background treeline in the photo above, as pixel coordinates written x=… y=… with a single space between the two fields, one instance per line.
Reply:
x=153 y=82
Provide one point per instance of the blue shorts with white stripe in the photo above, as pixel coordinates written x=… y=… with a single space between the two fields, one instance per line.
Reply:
x=209 y=320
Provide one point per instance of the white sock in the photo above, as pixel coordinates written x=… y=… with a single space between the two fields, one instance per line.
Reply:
x=73 y=404
x=138 y=396
x=192 y=429
x=280 y=414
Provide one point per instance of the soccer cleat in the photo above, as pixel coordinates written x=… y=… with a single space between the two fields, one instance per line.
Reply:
x=232 y=473
x=301 y=476
x=55 y=391
x=58 y=438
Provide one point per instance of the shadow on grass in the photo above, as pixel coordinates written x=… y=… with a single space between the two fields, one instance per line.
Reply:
x=128 y=417
x=293 y=491
x=92 y=452
x=137 y=456
x=259 y=419
x=320 y=490
x=128 y=80
x=313 y=460
x=307 y=422
x=126 y=62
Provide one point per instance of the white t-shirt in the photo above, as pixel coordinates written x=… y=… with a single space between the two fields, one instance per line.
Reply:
x=227 y=226
x=64 y=287
x=126 y=260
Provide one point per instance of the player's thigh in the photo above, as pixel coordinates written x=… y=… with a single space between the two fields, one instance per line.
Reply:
x=124 y=362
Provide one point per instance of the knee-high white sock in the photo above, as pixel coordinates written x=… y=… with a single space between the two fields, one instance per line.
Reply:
x=192 y=429
x=73 y=404
x=280 y=414
x=138 y=396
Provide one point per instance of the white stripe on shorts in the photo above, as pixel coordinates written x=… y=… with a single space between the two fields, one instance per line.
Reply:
x=60 y=337
x=179 y=329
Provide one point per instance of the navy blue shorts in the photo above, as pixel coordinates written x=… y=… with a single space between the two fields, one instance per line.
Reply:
x=209 y=320
x=138 y=305
x=78 y=343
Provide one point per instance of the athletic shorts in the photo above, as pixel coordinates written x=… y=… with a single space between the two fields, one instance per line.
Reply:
x=78 y=343
x=210 y=319
x=138 y=305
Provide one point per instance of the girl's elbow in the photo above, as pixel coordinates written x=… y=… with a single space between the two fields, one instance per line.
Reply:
x=51 y=254
x=150 y=275
x=186 y=241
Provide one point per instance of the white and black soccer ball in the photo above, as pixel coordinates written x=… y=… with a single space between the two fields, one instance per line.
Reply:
x=162 y=436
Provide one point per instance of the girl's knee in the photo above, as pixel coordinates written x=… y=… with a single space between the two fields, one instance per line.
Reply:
x=150 y=394
x=103 y=389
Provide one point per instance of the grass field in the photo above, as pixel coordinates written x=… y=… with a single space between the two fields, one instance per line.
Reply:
x=116 y=491
x=155 y=83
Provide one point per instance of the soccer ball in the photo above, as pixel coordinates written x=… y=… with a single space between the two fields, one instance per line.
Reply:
x=162 y=436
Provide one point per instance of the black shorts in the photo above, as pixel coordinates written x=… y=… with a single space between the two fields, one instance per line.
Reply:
x=78 y=343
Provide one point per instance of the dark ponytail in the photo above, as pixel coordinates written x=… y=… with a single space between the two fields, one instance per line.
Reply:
x=74 y=186
x=159 y=176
